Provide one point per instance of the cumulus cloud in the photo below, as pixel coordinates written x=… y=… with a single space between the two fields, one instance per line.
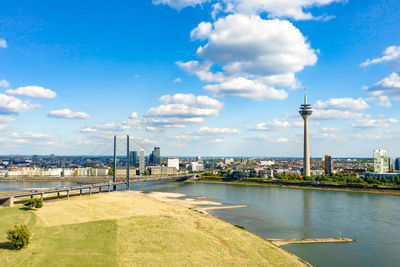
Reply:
x=268 y=138
x=342 y=104
x=251 y=45
x=177 y=80
x=134 y=115
x=389 y=86
x=252 y=54
x=4 y=83
x=381 y=100
x=33 y=92
x=176 y=111
x=179 y=4
x=13 y=105
x=371 y=123
x=3 y=126
x=28 y=135
x=244 y=88
x=277 y=125
x=68 y=114
x=332 y=114
x=391 y=55
x=213 y=131
x=7 y=119
x=279 y=9
x=3 y=43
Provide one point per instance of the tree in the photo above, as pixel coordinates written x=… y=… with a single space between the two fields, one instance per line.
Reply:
x=19 y=237
x=34 y=203
x=111 y=171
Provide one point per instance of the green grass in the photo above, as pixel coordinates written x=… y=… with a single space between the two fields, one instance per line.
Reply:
x=167 y=236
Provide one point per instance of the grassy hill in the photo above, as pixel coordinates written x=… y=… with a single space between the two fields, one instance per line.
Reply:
x=130 y=229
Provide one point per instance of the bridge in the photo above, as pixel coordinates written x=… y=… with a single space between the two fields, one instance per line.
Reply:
x=8 y=200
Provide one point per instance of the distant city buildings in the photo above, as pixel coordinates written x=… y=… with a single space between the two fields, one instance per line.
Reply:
x=397 y=164
x=381 y=161
x=133 y=158
x=155 y=156
x=228 y=161
x=196 y=166
x=328 y=165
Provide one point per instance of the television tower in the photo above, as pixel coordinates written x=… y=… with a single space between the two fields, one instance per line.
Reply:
x=305 y=112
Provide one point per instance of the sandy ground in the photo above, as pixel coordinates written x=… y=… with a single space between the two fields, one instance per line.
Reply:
x=284 y=242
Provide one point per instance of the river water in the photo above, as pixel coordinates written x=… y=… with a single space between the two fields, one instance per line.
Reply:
x=373 y=220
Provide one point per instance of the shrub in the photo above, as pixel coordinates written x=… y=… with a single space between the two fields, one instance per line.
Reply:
x=240 y=226
x=19 y=236
x=34 y=203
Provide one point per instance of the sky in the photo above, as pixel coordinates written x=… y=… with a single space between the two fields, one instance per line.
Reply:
x=199 y=77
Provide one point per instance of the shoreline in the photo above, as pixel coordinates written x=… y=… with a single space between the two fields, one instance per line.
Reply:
x=310 y=187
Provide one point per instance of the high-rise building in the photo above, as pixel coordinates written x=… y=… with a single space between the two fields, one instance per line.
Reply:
x=156 y=156
x=391 y=164
x=397 y=164
x=305 y=112
x=173 y=162
x=132 y=158
x=141 y=161
x=381 y=161
x=328 y=165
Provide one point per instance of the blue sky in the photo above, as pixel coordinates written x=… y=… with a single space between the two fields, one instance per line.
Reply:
x=199 y=77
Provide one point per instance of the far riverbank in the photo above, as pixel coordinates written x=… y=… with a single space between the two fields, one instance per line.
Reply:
x=303 y=185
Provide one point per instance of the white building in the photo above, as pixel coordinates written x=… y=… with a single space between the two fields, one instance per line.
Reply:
x=228 y=161
x=267 y=163
x=173 y=162
x=197 y=166
x=381 y=161
x=141 y=161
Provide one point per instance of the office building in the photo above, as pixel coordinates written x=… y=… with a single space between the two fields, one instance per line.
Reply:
x=381 y=161
x=391 y=164
x=397 y=164
x=173 y=163
x=305 y=112
x=141 y=161
x=155 y=156
x=328 y=165
x=132 y=158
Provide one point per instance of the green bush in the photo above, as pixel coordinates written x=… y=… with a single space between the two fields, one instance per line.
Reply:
x=19 y=237
x=34 y=203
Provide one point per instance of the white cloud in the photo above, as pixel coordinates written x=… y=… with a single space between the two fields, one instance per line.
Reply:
x=3 y=126
x=7 y=119
x=389 y=86
x=179 y=4
x=342 y=104
x=371 y=123
x=178 y=80
x=268 y=138
x=252 y=54
x=33 y=92
x=134 y=115
x=277 y=125
x=251 y=45
x=381 y=100
x=331 y=114
x=279 y=9
x=179 y=110
x=68 y=114
x=213 y=131
x=3 y=43
x=391 y=55
x=244 y=88
x=88 y=130
x=13 y=105
x=4 y=83
x=27 y=135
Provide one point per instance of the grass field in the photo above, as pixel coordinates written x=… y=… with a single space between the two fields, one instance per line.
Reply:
x=132 y=229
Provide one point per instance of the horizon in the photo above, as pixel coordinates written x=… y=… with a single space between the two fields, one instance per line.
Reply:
x=218 y=77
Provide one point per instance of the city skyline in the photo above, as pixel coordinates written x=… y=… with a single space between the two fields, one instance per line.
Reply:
x=200 y=77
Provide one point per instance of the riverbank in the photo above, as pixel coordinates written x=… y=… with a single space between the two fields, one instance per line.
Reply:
x=325 y=187
x=284 y=242
x=133 y=228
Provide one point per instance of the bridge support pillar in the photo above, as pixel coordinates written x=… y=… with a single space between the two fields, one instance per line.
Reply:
x=31 y=196
x=99 y=189
x=90 y=191
x=67 y=194
x=41 y=196
x=80 y=192
x=7 y=202
x=58 y=195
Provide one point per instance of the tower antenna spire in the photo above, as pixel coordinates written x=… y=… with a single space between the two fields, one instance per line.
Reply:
x=305 y=95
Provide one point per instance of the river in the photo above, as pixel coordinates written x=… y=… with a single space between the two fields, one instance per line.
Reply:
x=373 y=220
